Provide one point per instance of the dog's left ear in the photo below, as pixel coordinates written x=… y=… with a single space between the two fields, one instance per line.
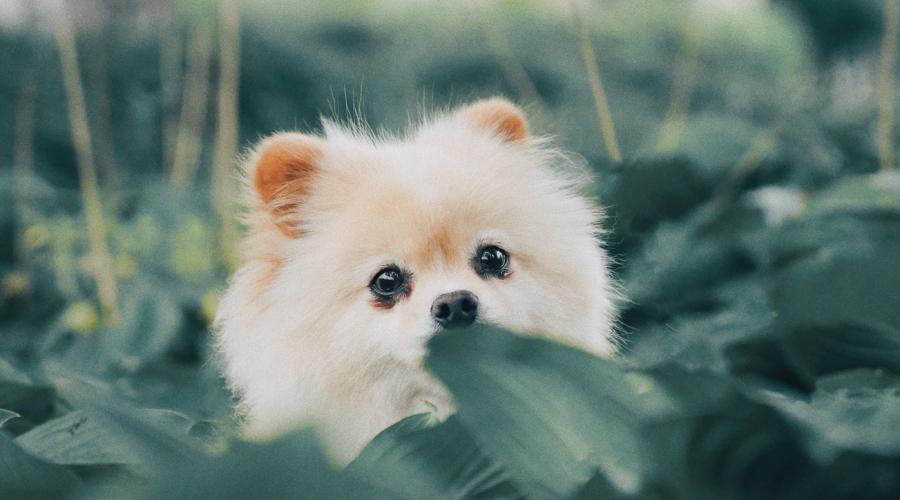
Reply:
x=500 y=116
x=283 y=167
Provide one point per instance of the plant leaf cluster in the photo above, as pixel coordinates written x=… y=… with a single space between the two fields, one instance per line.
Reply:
x=759 y=258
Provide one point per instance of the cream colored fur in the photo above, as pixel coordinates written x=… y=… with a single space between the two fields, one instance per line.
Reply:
x=301 y=340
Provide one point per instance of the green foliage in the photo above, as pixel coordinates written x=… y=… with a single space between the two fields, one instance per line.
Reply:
x=762 y=327
x=23 y=476
x=555 y=415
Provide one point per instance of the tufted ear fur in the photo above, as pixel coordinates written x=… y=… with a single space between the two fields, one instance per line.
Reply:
x=499 y=116
x=283 y=166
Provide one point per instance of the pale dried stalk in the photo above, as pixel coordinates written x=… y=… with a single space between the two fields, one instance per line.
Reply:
x=170 y=74
x=98 y=92
x=886 y=84
x=593 y=71
x=193 y=107
x=685 y=69
x=101 y=263
x=763 y=145
x=224 y=184
x=23 y=152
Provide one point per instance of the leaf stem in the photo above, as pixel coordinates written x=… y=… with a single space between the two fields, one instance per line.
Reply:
x=593 y=73
x=223 y=172
x=23 y=153
x=886 y=84
x=193 y=106
x=101 y=263
x=685 y=69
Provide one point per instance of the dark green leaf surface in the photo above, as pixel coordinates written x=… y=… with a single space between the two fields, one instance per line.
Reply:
x=550 y=413
x=79 y=439
x=421 y=458
x=857 y=410
x=294 y=466
x=31 y=401
x=837 y=310
x=24 y=477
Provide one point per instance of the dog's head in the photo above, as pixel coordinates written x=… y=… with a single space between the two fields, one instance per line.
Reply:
x=364 y=247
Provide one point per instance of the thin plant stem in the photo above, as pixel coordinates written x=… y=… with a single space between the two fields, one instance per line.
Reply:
x=224 y=185
x=193 y=106
x=685 y=69
x=593 y=73
x=23 y=152
x=763 y=145
x=171 y=54
x=886 y=84
x=98 y=93
x=101 y=263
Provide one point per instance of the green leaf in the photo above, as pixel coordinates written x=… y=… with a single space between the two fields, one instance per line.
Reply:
x=293 y=466
x=19 y=394
x=32 y=402
x=700 y=342
x=837 y=310
x=150 y=325
x=6 y=415
x=9 y=373
x=125 y=434
x=857 y=410
x=22 y=476
x=552 y=414
x=849 y=194
x=420 y=458
x=80 y=439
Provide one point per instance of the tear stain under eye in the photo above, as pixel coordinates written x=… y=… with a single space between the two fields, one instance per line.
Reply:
x=381 y=302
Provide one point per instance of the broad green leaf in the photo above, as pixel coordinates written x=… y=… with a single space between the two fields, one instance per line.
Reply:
x=552 y=414
x=858 y=410
x=293 y=466
x=80 y=439
x=32 y=402
x=22 y=476
x=9 y=373
x=420 y=458
x=150 y=325
x=837 y=310
x=849 y=194
x=129 y=434
x=646 y=191
x=840 y=230
x=700 y=342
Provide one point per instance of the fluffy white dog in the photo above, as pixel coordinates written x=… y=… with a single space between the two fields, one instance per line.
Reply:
x=361 y=247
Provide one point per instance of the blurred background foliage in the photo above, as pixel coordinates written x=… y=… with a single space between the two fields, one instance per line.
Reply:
x=743 y=149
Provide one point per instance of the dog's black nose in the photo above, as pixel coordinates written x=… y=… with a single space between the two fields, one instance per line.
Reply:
x=459 y=308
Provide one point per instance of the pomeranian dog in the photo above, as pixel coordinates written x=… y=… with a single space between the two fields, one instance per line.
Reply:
x=360 y=247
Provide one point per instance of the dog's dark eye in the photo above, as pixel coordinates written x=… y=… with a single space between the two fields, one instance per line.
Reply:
x=389 y=286
x=387 y=282
x=492 y=261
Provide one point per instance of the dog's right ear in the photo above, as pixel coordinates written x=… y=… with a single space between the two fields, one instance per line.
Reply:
x=283 y=166
x=500 y=117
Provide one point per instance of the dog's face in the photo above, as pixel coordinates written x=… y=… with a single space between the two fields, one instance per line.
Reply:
x=362 y=249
